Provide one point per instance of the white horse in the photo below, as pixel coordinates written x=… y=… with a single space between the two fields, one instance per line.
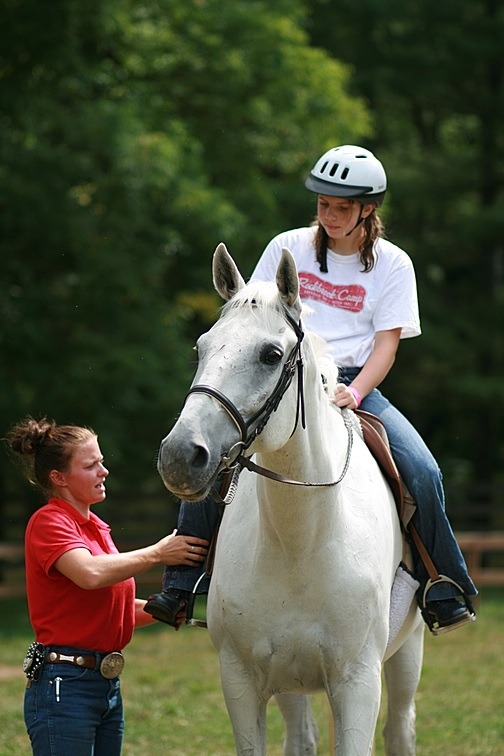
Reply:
x=300 y=592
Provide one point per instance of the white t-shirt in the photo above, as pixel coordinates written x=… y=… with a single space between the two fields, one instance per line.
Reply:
x=349 y=306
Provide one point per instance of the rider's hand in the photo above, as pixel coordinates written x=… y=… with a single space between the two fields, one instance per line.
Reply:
x=344 y=397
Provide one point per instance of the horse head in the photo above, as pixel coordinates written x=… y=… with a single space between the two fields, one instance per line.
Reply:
x=246 y=363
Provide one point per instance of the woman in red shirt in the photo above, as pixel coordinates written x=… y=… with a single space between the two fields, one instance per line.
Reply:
x=81 y=594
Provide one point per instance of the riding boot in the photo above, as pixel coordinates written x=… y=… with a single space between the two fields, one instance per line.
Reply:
x=166 y=606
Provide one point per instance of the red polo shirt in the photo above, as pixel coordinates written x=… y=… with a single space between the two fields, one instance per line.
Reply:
x=61 y=613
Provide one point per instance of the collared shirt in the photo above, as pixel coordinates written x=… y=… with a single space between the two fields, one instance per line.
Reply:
x=61 y=612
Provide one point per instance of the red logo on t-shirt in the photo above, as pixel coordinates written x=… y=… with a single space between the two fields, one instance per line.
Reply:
x=349 y=297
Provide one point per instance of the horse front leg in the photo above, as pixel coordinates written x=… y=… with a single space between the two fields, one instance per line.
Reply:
x=402 y=675
x=355 y=703
x=301 y=732
x=246 y=708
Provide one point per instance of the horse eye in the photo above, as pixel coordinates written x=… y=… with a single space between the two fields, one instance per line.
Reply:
x=271 y=355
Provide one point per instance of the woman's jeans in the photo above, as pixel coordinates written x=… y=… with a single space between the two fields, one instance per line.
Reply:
x=72 y=711
x=423 y=478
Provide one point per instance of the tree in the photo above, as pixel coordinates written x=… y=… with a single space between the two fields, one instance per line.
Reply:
x=135 y=137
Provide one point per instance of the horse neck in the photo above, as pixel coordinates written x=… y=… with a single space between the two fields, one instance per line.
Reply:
x=300 y=515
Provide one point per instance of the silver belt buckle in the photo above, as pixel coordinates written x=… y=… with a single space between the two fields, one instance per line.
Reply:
x=112 y=665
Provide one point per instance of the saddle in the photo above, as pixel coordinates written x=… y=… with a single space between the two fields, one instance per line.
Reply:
x=375 y=437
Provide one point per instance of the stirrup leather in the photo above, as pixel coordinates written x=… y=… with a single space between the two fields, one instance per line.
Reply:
x=190 y=620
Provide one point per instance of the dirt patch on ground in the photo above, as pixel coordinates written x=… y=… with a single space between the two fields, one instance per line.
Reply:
x=9 y=673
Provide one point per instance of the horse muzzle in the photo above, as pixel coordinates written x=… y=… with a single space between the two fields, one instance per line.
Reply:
x=187 y=468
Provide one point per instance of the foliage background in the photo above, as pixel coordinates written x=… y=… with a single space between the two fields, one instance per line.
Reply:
x=137 y=135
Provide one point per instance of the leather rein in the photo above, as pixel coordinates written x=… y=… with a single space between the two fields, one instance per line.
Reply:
x=235 y=462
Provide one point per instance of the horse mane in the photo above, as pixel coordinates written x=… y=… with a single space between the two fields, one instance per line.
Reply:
x=262 y=298
x=325 y=361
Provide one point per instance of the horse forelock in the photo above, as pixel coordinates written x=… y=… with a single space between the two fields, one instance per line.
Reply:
x=261 y=298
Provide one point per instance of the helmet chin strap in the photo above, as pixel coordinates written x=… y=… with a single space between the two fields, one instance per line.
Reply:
x=323 y=262
x=359 y=220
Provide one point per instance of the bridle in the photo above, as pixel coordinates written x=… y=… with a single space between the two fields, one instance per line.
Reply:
x=293 y=362
x=234 y=459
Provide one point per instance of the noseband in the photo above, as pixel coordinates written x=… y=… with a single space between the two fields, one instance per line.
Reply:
x=249 y=432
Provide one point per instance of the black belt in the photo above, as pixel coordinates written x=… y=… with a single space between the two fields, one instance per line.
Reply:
x=109 y=665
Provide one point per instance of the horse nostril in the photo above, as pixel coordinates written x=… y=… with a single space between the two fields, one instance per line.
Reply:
x=200 y=459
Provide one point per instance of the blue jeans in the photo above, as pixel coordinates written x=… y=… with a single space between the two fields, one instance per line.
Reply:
x=88 y=718
x=422 y=476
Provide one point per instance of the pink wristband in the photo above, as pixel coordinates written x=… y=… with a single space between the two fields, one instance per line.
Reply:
x=357 y=396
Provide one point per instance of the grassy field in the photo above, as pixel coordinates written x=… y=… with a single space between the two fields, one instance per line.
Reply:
x=174 y=704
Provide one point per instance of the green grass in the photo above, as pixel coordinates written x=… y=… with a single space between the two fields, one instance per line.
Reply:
x=174 y=704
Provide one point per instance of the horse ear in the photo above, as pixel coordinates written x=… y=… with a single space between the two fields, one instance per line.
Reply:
x=226 y=276
x=287 y=279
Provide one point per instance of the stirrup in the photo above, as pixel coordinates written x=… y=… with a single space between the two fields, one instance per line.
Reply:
x=434 y=626
x=189 y=620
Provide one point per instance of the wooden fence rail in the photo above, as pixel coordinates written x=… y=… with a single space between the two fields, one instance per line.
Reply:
x=478 y=549
x=12 y=583
x=475 y=547
x=12 y=568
